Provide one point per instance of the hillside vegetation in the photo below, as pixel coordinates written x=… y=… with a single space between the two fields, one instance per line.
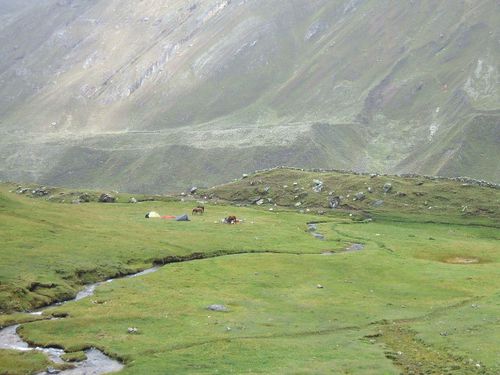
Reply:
x=358 y=289
x=364 y=195
x=158 y=95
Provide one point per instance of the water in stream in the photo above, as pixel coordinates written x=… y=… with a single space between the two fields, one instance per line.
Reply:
x=96 y=363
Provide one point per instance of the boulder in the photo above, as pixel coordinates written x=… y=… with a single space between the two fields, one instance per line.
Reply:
x=360 y=196
x=312 y=227
x=40 y=192
x=387 y=187
x=378 y=203
x=318 y=186
x=21 y=190
x=256 y=200
x=334 y=202
x=106 y=198
x=84 y=198
x=260 y=202
x=193 y=190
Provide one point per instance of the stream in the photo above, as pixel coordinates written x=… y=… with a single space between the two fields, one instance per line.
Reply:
x=96 y=363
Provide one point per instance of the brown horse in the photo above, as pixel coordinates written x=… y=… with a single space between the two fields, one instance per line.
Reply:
x=198 y=210
x=231 y=220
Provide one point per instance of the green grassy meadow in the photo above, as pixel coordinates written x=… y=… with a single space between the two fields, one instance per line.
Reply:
x=421 y=297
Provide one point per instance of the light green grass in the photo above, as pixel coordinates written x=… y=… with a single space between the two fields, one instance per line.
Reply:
x=400 y=294
x=21 y=363
x=50 y=249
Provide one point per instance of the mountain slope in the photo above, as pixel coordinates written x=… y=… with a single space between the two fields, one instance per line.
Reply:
x=101 y=93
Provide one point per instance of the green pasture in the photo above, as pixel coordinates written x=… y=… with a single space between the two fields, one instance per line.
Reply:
x=421 y=297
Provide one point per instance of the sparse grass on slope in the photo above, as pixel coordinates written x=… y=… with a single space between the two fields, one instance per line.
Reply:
x=409 y=196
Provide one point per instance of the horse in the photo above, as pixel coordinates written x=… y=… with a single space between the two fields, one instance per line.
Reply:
x=231 y=220
x=198 y=210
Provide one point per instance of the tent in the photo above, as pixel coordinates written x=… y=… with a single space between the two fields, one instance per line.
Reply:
x=152 y=215
x=182 y=218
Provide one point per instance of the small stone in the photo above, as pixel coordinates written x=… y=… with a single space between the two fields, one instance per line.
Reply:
x=298 y=204
x=193 y=190
x=319 y=286
x=52 y=370
x=132 y=330
x=217 y=307
x=387 y=187
x=319 y=236
x=244 y=175
x=355 y=247
x=132 y=200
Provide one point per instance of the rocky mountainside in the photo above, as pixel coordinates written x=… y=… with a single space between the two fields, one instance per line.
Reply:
x=157 y=95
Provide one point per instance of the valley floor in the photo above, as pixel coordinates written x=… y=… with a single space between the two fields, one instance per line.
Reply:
x=389 y=296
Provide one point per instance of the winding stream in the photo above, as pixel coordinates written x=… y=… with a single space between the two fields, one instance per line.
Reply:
x=96 y=363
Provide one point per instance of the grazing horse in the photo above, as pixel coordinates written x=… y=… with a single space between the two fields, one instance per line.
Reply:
x=231 y=220
x=198 y=210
